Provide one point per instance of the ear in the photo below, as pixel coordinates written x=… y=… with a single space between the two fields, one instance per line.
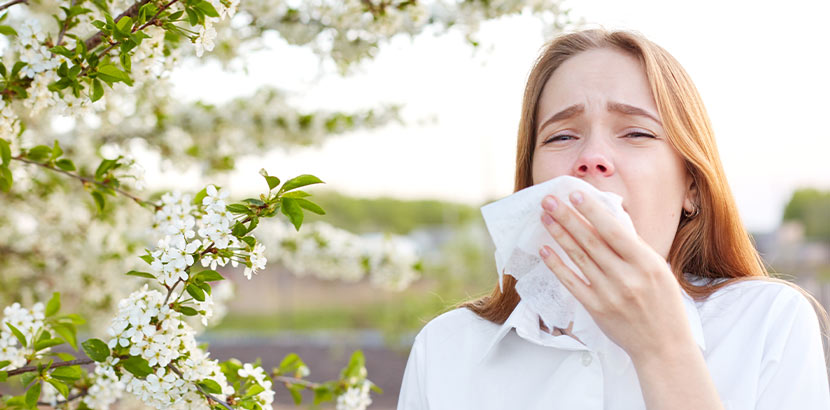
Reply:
x=690 y=202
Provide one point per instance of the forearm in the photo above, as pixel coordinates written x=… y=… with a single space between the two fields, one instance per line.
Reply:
x=677 y=380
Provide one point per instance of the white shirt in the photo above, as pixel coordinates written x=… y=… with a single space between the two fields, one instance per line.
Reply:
x=761 y=342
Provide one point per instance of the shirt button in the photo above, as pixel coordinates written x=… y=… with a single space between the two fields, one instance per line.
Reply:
x=586 y=359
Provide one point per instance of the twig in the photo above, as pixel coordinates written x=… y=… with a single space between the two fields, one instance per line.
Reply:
x=68 y=399
x=27 y=369
x=304 y=383
x=170 y=291
x=87 y=180
x=65 y=26
x=208 y=395
x=12 y=3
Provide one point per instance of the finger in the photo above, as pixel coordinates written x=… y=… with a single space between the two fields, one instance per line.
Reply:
x=578 y=255
x=584 y=235
x=578 y=288
x=610 y=230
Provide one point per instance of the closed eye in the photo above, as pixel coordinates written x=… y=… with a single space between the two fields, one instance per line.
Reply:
x=563 y=136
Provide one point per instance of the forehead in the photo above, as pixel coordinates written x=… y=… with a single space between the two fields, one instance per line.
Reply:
x=594 y=77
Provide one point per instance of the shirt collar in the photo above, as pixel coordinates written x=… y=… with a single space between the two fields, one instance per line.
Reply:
x=528 y=321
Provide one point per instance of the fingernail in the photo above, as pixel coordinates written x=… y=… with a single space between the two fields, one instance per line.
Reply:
x=549 y=203
x=547 y=219
x=576 y=197
x=544 y=251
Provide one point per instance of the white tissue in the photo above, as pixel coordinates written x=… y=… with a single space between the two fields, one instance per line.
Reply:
x=516 y=228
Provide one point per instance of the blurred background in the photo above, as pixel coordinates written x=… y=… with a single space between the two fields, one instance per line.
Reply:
x=417 y=171
x=760 y=67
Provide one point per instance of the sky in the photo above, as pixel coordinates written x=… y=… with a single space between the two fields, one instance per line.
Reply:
x=760 y=67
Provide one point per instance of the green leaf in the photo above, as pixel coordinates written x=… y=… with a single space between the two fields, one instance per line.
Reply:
x=356 y=362
x=208 y=276
x=43 y=344
x=97 y=90
x=104 y=167
x=322 y=394
x=299 y=181
x=290 y=363
x=295 y=390
x=238 y=209
x=113 y=74
x=197 y=200
x=39 y=153
x=253 y=201
x=137 y=366
x=67 y=373
x=207 y=8
x=96 y=349
x=62 y=388
x=196 y=292
x=124 y=25
x=3 y=376
x=56 y=150
x=74 y=318
x=63 y=356
x=54 y=304
x=210 y=386
x=254 y=390
x=296 y=194
x=5 y=179
x=292 y=211
x=141 y=274
x=273 y=182
x=100 y=202
x=4 y=363
x=32 y=395
x=250 y=240
x=67 y=332
x=18 y=334
x=65 y=164
x=5 y=152
x=7 y=31
x=188 y=311
x=311 y=206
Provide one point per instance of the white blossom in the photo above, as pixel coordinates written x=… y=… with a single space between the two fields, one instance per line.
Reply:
x=355 y=398
x=204 y=41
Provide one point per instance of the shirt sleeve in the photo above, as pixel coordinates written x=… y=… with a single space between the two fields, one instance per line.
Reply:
x=413 y=395
x=793 y=370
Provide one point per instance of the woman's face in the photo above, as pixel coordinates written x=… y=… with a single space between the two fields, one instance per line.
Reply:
x=604 y=117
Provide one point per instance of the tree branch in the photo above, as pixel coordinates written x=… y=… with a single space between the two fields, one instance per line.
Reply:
x=12 y=3
x=208 y=395
x=304 y=383
x=68 y=399
x=87 y=180
x=152 y=20
x=96 y=39
x=65 y=26
x=27 y=369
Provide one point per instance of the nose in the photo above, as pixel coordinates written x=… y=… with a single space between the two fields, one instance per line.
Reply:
x=594 y=162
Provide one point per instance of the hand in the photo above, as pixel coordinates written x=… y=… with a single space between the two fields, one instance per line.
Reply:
x=631 y=293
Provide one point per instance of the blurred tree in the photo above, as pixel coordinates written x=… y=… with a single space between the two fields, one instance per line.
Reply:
x=811 y=208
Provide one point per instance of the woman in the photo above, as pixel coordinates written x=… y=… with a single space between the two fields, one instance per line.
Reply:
x=620 y=112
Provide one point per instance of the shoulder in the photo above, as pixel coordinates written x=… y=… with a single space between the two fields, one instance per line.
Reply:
x=772 y=308
x=454 y=323
x=457 y=327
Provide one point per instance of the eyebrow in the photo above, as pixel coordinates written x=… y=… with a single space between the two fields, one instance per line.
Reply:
x=577 y=109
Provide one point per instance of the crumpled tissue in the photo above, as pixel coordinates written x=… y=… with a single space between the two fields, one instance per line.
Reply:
x=515 y=225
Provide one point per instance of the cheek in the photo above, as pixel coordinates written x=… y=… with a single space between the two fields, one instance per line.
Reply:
x=547 y=166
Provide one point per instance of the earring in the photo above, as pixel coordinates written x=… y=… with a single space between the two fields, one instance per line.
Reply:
x=691 y=215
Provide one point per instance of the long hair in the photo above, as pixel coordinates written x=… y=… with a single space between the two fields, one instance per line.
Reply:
x=713 y=244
